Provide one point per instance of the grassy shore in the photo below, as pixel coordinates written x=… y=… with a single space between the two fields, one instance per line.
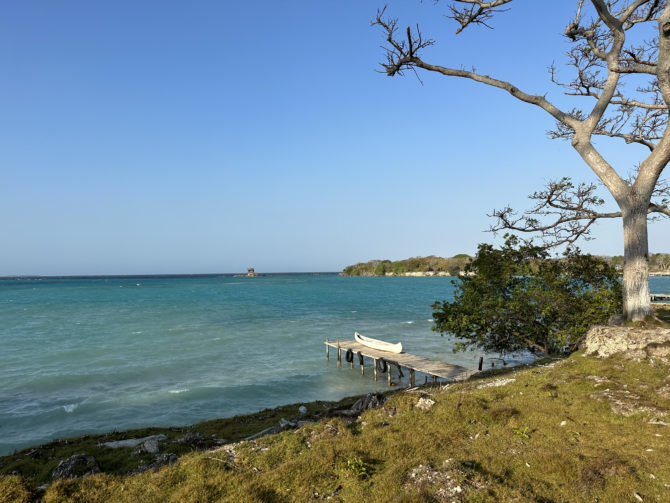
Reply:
x=578 y=429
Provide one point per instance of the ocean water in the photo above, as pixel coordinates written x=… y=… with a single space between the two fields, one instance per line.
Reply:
x=87 y=355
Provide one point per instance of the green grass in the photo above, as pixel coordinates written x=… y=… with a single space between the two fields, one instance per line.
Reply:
x=542 y=437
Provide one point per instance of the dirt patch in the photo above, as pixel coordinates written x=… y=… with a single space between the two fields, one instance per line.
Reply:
x=595 y=475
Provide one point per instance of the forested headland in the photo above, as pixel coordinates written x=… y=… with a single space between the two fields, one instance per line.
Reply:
x=659 y=263
x=415 y=266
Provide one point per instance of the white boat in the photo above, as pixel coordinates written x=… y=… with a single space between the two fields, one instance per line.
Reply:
x=377 y=344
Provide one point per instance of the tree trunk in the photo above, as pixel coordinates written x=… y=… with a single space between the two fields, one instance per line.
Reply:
x=636 y=300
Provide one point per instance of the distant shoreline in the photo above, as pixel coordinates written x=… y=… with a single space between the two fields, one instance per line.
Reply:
x=158 y=276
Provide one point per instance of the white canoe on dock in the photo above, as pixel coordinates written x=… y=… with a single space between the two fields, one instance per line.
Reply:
x=377 y=344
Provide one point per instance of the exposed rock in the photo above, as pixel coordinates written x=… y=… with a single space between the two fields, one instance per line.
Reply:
x=425 y=404
x=148 y=446
x=192 y=438
x=616 y=320
x=369 y=401
x=625 y=403
x=449 y=489
x=282 y=425
x=76 y=466
x=664 y=392
x=598 y=380
x=133 y=442
x=495 y=383
x=166 y=458
x=632 y=343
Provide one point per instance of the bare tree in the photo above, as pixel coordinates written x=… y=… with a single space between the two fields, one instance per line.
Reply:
x=601 y=60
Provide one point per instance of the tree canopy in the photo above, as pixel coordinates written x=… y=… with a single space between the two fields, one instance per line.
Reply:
x=517 y=298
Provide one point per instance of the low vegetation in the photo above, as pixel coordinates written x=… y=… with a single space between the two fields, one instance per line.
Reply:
x=432 y=264
x=549 y=432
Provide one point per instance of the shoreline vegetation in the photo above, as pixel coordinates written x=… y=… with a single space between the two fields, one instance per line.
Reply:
x=573 y=429
x=659 y=265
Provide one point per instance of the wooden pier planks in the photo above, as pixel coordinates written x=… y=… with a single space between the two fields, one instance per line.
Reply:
x=409 y=361
x=660 y=297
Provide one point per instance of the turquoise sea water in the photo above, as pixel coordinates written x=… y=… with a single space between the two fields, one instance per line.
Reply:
x=85 y=355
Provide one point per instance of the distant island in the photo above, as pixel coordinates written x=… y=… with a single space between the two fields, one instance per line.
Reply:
x=415 y=266
x=659 y=265
x=251 y=273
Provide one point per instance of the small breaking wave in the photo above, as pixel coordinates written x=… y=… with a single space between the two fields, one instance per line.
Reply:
x=70 y=408
x=177 y=391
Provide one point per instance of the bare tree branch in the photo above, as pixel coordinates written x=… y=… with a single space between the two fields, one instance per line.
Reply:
x=602 y=61
x=476 y=12
x=564 y=213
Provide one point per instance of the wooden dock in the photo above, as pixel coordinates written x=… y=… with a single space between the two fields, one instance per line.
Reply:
x=413 y=363
x=660 y=297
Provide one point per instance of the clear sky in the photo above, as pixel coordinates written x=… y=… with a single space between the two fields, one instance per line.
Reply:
x=191 y=137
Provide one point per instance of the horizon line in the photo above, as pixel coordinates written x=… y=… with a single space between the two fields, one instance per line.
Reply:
x=150 y=275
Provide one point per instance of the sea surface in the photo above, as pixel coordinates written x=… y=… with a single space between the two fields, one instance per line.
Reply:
x=91 y=355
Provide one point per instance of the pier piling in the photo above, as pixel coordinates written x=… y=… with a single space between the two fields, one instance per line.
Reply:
x=413 y=363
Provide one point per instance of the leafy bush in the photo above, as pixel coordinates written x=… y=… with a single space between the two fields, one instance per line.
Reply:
x=518 y=298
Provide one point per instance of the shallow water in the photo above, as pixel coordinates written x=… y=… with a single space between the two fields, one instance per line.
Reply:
x=85 y=355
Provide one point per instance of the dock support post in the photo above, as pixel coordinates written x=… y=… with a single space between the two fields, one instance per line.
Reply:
x=411 y=377
x=362 y=367
x=339 y=353
x=481 y=362
x=327 y=350
x=388 y=374
x=375 y=365
x=434 y=379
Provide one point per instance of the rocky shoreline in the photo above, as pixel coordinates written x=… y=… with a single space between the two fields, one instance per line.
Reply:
x=135 y=451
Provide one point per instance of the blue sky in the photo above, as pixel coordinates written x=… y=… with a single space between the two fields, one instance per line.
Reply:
x=212 y=136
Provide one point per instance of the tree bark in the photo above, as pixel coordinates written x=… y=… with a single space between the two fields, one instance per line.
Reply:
x=636 y=300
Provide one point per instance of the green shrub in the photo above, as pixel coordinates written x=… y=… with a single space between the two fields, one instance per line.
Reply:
x=518 y=298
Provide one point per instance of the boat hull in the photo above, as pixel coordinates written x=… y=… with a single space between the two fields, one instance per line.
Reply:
x=377 y=344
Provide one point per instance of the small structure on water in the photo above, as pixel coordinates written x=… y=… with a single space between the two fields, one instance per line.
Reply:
x=250 y=274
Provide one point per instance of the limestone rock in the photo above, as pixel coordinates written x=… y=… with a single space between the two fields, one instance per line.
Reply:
x=369 y=401
x=425 y=404
x=132 y=442
x=148 y=446
x=632 y=343
x=163 y=459
x=192 y=438
x=625 y=403
x=76 y=466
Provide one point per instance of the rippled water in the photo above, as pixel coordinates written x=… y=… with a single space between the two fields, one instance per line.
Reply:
x=98 y=354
